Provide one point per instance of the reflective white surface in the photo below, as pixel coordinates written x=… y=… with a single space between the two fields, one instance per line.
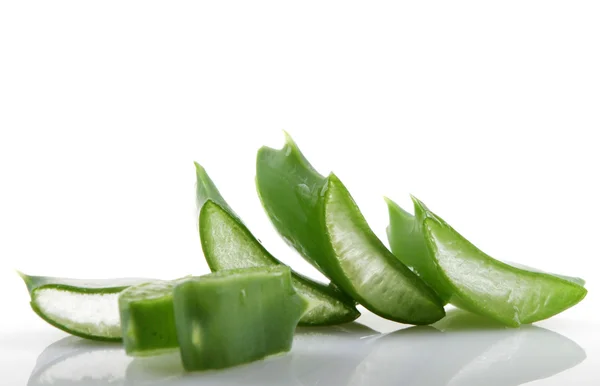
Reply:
x=459 y=350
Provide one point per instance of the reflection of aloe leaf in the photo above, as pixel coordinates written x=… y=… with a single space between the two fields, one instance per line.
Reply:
x=329 y=355
x=506 y=356
x=468 y=350
x=154 y=370
x=399 y=357
x=73 y=361
x=462 y=349
x=166 y=370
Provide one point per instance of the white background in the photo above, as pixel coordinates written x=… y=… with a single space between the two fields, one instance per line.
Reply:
x=487 y=111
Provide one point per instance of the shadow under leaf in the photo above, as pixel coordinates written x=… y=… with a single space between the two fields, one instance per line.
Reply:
x=461 y=349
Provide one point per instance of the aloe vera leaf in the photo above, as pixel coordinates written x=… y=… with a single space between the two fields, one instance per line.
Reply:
x=407 y=242
x=319 y=218
x=228 y=244
x=85 y=308
x=483 y=285
x=237 y=316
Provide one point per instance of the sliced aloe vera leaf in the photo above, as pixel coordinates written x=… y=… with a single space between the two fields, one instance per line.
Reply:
x=489 y=287
x=319 y=218
x=85 y=308
x=405 y=235
x=228 y=244
x=374 y=276
x=147 y=319
x=238 y=316
x=291 y=191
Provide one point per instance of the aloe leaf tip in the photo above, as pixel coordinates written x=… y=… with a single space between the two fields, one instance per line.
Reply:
x=26 y=278
x=199 y=169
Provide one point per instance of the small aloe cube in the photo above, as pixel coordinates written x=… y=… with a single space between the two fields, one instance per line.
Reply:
x=147 y=318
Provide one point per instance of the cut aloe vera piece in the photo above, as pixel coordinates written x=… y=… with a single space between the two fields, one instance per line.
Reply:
x=407 y=242
x=86 y=308
x=475 y=281
x=228 y=244
x=319 y=218
x=238 y=316
x=147 y=319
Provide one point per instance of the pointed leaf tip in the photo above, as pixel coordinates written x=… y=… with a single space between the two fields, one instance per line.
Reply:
x=23 y=275
x=288 y=137
x=199 y=168
x=415 y=199
x=419 y=206
x=290 y=143
x=391 y=204
x=26 y=279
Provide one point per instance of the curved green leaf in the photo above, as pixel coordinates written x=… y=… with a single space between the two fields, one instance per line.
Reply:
x=228 y=244
x=475 y=281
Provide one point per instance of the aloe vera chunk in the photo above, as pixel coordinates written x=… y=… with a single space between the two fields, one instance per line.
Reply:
x=473 y=280
x=238 y=316
x=318 y=217
x=228 y=244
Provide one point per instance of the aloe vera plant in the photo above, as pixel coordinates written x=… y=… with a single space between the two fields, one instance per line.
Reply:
x=237 y=316
x=318 y=217
x=228 y=244
x=86 y=308
x=468 y=278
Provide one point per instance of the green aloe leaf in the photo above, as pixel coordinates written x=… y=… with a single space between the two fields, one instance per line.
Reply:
x=228 y=244
x=318 y=217
x=472 y=280
x=232 y=317
x=86 y=308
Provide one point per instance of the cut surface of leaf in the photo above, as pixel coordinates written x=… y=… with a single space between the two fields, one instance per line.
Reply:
x=238 y=316
x=85 y=308
x=147 y=319
x=319 y=218
x=228 y=244
x=489 y=287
